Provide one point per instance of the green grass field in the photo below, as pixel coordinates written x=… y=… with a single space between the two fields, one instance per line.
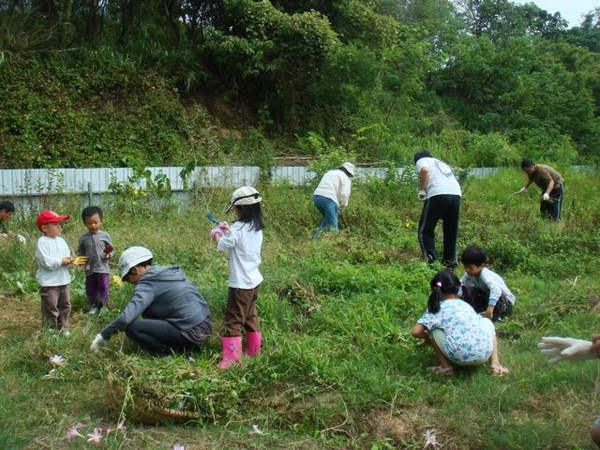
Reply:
x=338 y=367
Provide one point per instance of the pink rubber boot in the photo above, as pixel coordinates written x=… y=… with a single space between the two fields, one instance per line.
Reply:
x=253 y=344
x=232 y=349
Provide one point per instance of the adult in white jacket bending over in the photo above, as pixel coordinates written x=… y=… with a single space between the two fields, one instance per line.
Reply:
x=332 y=194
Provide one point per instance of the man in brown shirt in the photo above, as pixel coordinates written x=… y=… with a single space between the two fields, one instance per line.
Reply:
x=550 y=182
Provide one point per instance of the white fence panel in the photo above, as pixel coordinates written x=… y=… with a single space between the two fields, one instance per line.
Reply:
x=34 y=182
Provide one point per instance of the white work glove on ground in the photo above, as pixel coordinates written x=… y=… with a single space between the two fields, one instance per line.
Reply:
x=566 y=348
x=546 y=197
x=422 y=195
x=99 y=343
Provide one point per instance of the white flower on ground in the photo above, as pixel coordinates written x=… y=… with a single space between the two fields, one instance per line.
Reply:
x=58 y=360
x=256 y=430
x=430 y=439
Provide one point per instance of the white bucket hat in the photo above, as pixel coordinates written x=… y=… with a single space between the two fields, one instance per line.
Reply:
x=246 y=195
x=349 y=167
x=132 y=257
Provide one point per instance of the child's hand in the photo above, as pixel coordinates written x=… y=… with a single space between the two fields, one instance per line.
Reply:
x=224 y=226
x=216 y=233
x=67 y=261
x=489 y=312
x=108 y=249
x=80 y=260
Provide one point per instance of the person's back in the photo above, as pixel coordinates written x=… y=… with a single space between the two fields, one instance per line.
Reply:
x=466 y=337
x=244 y=245
x=164 y=293
x=442 y=180
x=543 y=174
x=335 y=185
x=441 y=193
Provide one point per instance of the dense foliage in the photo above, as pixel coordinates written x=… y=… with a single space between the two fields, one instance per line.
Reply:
x=123 y=82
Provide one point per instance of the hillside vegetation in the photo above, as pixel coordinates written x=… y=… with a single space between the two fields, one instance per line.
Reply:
x=338 y=367
x=107 y=83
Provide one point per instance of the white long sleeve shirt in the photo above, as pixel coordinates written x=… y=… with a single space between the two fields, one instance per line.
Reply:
x=244 y=246
x=335 y=185
x=49 y=253
x=490 y=282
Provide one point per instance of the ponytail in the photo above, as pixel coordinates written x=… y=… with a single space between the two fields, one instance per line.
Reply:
x=444 y=282
x=435 y=298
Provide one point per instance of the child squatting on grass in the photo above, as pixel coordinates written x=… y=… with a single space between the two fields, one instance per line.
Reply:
x=95 y=245
x=488 y=293
x=243 y=241
x=456 y=332
x=53 y=258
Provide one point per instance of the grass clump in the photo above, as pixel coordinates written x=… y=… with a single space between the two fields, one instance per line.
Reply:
x=338 y=368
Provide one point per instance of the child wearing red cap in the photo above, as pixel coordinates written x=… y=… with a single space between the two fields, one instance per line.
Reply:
x=53 y=258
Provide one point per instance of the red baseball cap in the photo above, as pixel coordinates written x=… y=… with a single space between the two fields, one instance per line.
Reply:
x=49 y=216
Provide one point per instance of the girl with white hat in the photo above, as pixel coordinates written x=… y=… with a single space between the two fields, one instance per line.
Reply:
x=243 y=241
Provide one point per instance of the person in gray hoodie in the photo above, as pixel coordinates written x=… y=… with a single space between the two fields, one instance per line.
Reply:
x=175 y=316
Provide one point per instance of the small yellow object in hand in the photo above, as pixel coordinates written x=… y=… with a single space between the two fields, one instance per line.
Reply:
x=80 y=260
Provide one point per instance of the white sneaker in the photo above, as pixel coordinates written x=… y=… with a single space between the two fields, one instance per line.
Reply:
x=65 y=333
x=94 y=310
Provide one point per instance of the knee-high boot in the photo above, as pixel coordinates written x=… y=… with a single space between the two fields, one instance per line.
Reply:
x=253 y=341
x=232 y=349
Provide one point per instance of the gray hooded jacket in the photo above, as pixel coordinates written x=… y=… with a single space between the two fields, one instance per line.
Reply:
x=163 y=293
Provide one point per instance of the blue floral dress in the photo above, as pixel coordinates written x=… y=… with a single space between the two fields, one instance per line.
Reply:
x=469 y=336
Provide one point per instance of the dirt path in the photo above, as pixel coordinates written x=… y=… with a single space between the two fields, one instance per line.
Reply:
x=19 y=314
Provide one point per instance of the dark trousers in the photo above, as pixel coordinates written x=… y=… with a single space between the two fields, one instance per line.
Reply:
x=445 y=208
x=479 y=300
x=553 y=208
x=96 y=288
x=158 y=336
x=56 y=306
x=241 y=311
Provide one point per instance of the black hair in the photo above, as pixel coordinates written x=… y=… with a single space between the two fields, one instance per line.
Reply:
x=443 y=282
x=145 y=263
x=90 y=211
x=343 y=169
x=422 y=154
x=142 y=264
x=474 y=255
x=527 y=163
x=251 y=214
x=7 y=206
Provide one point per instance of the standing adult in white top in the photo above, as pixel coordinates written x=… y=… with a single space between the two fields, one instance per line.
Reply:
x=332 y=194
x=439 y=189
